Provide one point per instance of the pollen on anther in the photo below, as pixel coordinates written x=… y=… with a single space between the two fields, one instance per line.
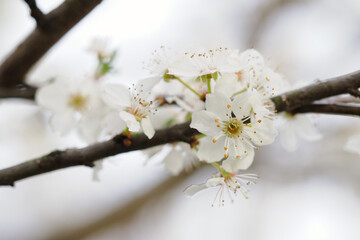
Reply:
x=240 y=107
x=257 y=148
x=238 y=156
x=254 y=131
x=228 y=106
x=261 y=141
x=217 y=120
x=225 y=155
x=267 y=79
x=218 y=125
x=259 y=121
x=214 y=140
x=225 y=148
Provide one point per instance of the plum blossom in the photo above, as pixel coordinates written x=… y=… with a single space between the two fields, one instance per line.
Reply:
x=294 y=126
x=203 y=63
x=231 y=183
x=134 y=106
x=181 y=158
x=230 y=133
x=68 y=101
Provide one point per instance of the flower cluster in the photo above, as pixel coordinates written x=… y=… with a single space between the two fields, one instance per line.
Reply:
x=224 y=93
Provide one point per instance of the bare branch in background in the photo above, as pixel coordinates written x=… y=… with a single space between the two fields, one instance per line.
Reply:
x=263 y=15
x=58 y=22
x=182 y=132
x=124 y=213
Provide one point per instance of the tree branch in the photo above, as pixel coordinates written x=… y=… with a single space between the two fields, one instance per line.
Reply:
x=329 y=109
x=55 y=25
x=86 y=156
x=182 y=132
x=354 y=92
x=323 y=89
x=36 y=13
x=20 y=90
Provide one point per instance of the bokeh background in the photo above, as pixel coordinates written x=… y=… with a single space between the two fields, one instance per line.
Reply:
x=313 y=193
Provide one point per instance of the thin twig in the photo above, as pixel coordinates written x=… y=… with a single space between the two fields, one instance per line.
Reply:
x=329 y=109
x=37 y=14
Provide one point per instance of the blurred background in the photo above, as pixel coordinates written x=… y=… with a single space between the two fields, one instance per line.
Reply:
x=313 y=193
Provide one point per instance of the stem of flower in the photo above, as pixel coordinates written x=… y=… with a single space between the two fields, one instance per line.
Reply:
x=241 y=91
x=216 y=165
x=208 y=85
x=188 y=86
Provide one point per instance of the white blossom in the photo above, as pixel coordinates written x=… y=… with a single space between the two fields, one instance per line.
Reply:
x=134 y=106
x=228 y=183
x=229 y=132
x=68 y=101
x=294 y=126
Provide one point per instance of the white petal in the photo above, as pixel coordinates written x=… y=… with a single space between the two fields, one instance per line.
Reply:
x=288 y=137
x=174 y=162
x=204 y=122
x=233 y=164
x=132 y=124
x=148 y=83
x=209 y=151
x=241 y=106
x=219 y=104
x=353 y=144
x=116 y=95
x=53 y=96
x=147 y=127
x=306 y=128
x=215 y=181
x=63 y=121
x=262 y=133
x=193 y=189
x=112 y=124
x=226 y=85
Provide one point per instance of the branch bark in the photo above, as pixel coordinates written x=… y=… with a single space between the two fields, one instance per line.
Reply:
x=323 y=89
x=53 y=26
x=329 y=109
x=182 y=132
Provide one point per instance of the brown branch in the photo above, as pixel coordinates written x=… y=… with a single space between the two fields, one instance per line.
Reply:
x=323 y=89
x=182 y=132
x=354 y=92
x=329 y=109
x=86 y=156
x=55 y=25
x=36 y=13
x=20 y=90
